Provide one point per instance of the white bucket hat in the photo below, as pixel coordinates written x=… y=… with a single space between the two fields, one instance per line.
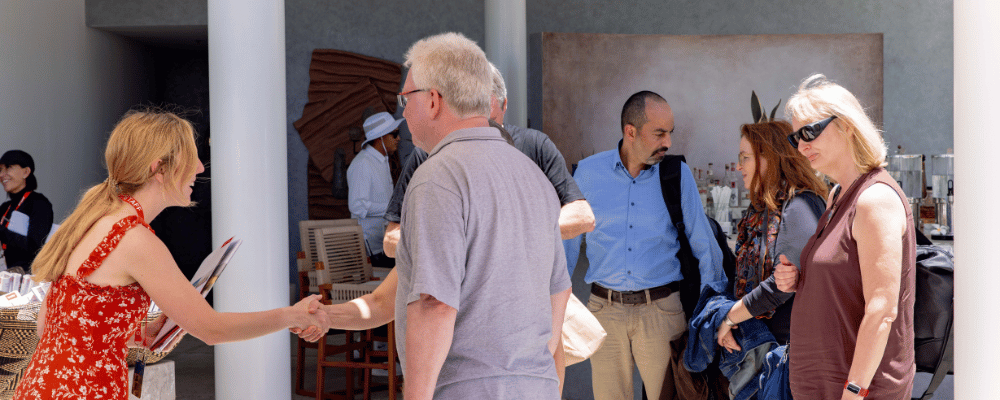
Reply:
x=379 y=125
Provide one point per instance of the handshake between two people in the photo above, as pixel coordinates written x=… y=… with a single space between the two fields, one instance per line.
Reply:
x=311 y=323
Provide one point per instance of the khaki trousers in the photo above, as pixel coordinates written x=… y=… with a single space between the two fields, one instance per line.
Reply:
x=637 y=335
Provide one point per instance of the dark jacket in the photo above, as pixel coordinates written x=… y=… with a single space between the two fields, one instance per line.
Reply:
x=747 y=369
x=21 y=250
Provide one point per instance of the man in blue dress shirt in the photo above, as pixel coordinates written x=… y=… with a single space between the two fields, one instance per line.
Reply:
x=634 y=272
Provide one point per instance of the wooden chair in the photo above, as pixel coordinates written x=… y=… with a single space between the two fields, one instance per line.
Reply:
x=340 y=251
x=337 y=249
x=307 y=234
x=366 y=362
x=369 y=359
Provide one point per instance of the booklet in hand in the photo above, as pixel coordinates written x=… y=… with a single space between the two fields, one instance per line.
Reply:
x=203 y=281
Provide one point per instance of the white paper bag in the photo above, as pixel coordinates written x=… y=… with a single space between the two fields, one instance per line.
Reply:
x=582 y=334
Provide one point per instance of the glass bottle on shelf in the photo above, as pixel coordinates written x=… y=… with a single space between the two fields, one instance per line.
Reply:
x=726 y=176
x=709 y=175
x=734 y=195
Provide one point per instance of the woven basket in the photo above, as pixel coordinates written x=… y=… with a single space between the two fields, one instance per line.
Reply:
x=18 y=341
x=17 y=344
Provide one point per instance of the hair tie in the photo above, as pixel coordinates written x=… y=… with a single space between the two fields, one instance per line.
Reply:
x=111 y=182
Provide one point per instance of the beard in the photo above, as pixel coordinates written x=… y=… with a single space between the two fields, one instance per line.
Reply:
x=657 y=156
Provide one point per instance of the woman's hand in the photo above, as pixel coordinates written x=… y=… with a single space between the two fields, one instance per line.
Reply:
x=786 y=275
x=726 y=339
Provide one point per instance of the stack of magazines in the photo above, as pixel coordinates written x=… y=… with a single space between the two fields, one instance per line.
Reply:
x=203 y=280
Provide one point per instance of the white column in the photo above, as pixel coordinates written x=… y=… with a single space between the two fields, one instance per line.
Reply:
x=977 y=218
x=507 y=48
x=246 y=57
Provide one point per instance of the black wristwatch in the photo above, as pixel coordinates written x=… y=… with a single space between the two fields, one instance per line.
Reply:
x=854 y=388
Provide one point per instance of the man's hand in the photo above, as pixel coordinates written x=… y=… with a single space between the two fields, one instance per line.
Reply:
x=575 y=219
x=390 y=240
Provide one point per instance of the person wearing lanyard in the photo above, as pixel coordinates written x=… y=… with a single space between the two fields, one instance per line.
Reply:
x=27 y=216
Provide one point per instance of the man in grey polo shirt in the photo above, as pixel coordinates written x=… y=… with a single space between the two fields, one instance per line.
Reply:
x=482 y=275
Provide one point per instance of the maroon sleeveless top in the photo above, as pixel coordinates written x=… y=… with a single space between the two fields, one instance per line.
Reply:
x=830 y=303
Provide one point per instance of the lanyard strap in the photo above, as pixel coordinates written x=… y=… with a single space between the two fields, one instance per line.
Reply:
x=15 y=208
x=7 y=222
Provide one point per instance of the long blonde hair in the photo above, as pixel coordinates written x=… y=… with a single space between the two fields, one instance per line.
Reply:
x=139 y=139
x=819 y=98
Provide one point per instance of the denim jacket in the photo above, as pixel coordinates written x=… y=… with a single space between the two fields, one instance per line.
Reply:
x=743 y=368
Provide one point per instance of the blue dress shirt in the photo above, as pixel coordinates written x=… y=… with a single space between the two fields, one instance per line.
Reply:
x=634 y=244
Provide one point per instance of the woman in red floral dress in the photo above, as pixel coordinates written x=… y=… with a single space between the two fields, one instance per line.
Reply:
x=104 y=272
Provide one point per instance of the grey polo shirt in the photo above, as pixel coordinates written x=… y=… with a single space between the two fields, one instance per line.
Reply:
x=480 y=233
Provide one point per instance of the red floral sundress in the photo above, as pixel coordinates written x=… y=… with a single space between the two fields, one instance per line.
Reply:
x=82 y=352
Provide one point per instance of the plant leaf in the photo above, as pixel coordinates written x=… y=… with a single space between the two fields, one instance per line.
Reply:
x=755 y=106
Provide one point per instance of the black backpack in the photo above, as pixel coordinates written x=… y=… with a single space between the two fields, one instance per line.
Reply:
x=711 y=383
x=670 y=185
x=933 y=313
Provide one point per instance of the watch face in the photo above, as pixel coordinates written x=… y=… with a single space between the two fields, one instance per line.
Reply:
x=854 y=388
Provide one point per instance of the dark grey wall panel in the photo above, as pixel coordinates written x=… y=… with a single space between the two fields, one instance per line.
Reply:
x=138 y=13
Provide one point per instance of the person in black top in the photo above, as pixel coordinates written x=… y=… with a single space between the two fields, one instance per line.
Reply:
x=17 y=174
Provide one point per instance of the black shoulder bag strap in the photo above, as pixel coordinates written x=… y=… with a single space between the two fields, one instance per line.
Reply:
x=670 y=185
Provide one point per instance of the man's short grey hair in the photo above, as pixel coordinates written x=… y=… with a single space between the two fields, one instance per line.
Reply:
x=499 y=88
x=457 y=68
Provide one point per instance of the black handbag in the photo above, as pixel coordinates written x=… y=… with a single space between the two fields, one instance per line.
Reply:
x=934 y=314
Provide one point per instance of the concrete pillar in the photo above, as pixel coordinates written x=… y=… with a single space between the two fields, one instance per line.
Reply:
x=977 y=220
x=507 y=48
x=246 y=57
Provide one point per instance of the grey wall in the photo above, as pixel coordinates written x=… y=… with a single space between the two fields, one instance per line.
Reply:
x=383 y=29
x=917 y=45
x=137 y=13
x=62 y=89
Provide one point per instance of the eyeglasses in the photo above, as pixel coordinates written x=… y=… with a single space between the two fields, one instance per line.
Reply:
x=809 y=132
x=401 y=97
x=742 y=158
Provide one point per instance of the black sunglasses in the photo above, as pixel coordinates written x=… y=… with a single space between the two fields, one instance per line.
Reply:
x=809 y=132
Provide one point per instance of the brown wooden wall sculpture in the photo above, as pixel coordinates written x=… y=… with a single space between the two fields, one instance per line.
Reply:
x=341 y=86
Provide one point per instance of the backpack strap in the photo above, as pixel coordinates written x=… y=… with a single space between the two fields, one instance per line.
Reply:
x=670 y=185
x=945 y=365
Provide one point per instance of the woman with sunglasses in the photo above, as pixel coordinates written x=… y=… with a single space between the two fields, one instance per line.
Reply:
x=852 y=322
x=786 y=202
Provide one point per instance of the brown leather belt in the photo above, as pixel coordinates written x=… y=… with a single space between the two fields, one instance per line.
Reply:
x=637 y=296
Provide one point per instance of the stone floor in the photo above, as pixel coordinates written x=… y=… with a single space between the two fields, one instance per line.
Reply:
x=194 y=368
x=194 y=364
